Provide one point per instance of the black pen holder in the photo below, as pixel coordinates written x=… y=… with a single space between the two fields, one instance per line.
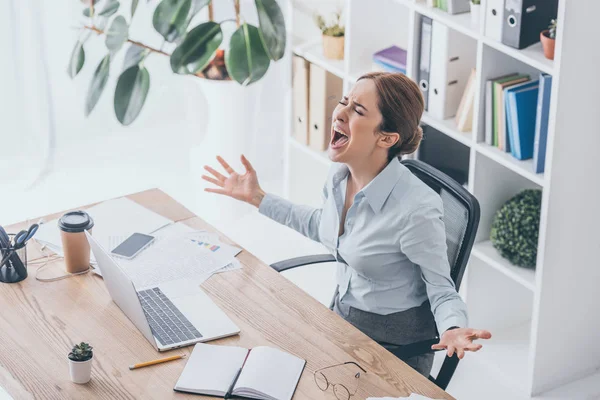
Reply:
x=14 y=268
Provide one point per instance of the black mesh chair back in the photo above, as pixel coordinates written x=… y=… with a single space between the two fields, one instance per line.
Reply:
x=461 y=215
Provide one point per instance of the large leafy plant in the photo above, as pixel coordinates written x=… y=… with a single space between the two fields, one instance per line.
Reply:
x=197 y=48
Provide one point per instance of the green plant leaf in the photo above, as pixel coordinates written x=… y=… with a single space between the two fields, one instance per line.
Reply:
x=97 y=84
x=77 y=60
x=197 y=49
x=130 y=94
x=117 y=34
x=109 y=9
x=170 y=18
x=271 y=28
x=197 y=5
x=134 y=4
x=247 y=60
x=134 y=55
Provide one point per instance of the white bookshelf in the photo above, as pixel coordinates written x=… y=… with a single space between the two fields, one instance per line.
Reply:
x=529 y=311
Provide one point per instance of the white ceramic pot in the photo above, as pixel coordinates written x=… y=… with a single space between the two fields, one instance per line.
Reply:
x=232 y=113
x=81 y=371
x=475 y=14
x=232 y=116
x=431 y=3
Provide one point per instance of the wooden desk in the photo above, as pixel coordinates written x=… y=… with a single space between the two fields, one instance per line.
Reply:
x=39 y=322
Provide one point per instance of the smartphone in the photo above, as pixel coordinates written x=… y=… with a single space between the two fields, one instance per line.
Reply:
x=132 y=245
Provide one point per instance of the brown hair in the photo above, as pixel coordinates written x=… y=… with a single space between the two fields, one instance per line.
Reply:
x=401 y=105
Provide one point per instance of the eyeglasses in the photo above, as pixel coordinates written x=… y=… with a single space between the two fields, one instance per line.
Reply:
x=340 y=391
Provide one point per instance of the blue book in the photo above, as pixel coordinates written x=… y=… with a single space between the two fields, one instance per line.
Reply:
x=518 y=86
x=521 y=106
x=380 y=65
x=541 y=124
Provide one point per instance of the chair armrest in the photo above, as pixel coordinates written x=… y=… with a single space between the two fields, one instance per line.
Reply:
x=446 y=371
x=300 y=261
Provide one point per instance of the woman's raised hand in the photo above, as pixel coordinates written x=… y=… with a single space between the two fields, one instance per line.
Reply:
x=241 y=187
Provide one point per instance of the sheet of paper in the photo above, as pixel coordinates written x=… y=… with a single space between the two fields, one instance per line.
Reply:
x=235 y=264
x=170 y=259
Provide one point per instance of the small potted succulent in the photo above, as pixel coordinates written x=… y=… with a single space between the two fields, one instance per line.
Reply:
x=80 y=363
x=548 y=38
x=475 y=12
x=333 y=36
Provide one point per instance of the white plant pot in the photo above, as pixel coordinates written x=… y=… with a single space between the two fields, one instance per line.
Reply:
x=431 y=3
x=230 y=132
x=475 y=14
x=81 y=371
x=232 y=115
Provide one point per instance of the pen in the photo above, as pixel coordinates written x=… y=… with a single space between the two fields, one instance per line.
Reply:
x=237 y=375
x=159 y=361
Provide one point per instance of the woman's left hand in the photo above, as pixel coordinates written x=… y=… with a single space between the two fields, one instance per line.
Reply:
x=460 y=340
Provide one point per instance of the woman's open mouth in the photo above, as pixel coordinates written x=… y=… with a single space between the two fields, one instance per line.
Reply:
x=338 y=139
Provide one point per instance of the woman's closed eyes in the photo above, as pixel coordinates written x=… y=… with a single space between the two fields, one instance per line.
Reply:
x=344 y=102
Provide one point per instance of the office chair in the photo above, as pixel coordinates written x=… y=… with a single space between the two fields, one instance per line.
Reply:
x=461 y=219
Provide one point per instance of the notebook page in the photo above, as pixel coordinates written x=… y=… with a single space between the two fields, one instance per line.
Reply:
x=211 y=369
x=269 y=371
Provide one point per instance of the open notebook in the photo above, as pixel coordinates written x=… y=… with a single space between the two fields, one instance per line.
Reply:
x=267 y=373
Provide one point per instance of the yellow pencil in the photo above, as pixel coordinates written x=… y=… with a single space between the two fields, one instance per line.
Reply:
x=162 y=360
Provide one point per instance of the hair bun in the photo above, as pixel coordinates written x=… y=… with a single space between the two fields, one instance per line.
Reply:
x=411 y=145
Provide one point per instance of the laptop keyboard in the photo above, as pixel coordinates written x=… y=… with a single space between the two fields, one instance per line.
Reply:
x=167 y=323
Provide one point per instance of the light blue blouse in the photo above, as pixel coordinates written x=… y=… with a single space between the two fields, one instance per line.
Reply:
x=392 y=254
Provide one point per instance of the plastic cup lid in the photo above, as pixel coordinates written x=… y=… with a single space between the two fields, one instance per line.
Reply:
x=75 y=221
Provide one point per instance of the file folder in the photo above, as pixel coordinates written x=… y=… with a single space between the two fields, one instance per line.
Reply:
x=325 y=91
x=541 y=123
x=494 y=19
x=525 y=19
x=521 y=104
x=452 y=58
x=425 y=59
x=300 y=85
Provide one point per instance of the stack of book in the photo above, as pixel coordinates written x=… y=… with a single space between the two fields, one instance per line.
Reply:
x=516 y=116
x=391 y=59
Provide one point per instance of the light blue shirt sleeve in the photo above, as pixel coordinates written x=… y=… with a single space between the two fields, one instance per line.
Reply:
x=423 y=240
x=303 y=219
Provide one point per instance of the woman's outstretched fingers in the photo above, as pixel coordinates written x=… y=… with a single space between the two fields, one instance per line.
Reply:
x=438 y=347
x=247 y=164
x=219 y=191
x=450 y=351
x=212 y=180
x=482 y=334
x=225 y=165
x=215 y=173
x=473 y=347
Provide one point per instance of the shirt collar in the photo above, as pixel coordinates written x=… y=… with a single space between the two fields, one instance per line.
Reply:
x=379 y=189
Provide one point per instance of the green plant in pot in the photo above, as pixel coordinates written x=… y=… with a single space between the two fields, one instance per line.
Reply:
x=333 y=35
x=80 y=362
x=548 y=39
x=515 y=228
x=197 y=49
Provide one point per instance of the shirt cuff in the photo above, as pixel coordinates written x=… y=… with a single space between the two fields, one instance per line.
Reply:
x=450 y=322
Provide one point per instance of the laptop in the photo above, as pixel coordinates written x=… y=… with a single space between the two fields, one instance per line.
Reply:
x=170 y=315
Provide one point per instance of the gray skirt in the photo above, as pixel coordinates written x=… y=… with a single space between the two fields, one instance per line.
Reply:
x=401 y=328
